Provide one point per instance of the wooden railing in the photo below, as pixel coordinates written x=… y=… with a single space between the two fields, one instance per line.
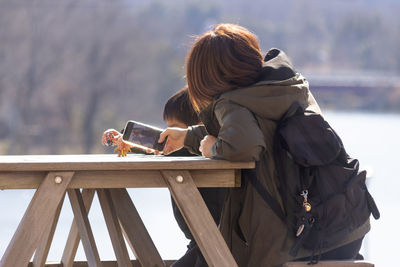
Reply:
x=80 y=176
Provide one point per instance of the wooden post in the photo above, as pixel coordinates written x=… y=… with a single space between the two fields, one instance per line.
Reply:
x=72 y=244
x=198 y=218
x=85 y=231
x=37 y=218
x=114 y=229
x=42 y=251
x=135 y=232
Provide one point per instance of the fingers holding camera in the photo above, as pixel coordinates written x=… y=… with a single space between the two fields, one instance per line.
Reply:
x=175 y=141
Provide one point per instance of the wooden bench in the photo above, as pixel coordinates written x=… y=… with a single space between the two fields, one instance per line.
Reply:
x=330 y=264
x=80 y=176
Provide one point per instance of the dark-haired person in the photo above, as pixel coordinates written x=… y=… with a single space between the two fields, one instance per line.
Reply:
x=239 y=95
x=179 y=112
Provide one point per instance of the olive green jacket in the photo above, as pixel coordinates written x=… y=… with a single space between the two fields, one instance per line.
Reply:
x=243 y=120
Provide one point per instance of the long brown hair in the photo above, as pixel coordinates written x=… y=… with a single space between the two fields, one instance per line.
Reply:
x=223 y=59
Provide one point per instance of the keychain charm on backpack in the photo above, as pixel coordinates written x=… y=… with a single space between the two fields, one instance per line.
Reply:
x=306 y=205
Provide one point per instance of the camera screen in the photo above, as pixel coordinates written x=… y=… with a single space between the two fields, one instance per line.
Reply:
x=143 y=135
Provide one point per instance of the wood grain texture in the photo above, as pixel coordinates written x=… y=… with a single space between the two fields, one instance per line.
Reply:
x=85 y=231
x=134 y=230
x=73 y=237
x=120 y=179
x=114 y=229
x=21 y=180
x=112 y=162
x=198 y=218
x=37 y=218
x=97 y=172
x=42 y=250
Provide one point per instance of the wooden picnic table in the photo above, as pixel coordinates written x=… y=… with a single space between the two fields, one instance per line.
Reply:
x=80 y=176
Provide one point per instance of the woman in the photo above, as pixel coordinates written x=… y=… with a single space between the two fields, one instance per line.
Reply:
x=239 y=97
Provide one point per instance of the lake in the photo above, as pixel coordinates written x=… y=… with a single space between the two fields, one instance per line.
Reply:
x=370 y=137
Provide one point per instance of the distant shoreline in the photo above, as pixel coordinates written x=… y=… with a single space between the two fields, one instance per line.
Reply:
x=358 y=91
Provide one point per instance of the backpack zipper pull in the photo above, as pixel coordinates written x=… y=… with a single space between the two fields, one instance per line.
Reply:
x=306 y=205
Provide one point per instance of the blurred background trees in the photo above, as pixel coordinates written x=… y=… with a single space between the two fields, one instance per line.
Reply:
x=71 y=69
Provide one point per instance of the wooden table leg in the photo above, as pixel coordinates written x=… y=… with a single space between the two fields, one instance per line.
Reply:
x=42 y=251
x=72 y=244
x=198 y=218
x=37 y=218
x=134 y=230
x=85 y=231
x=114 y=228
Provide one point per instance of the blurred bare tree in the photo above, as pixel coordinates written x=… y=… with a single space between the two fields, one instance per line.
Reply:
x=71 y=69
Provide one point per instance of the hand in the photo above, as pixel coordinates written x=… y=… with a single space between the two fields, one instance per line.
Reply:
x=176 y=138
x=206 y=145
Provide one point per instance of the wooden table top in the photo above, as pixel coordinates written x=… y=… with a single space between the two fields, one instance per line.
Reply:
x=85 y=162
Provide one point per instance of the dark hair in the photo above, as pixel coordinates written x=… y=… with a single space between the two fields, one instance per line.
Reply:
x=226 y=58
x=179 y=107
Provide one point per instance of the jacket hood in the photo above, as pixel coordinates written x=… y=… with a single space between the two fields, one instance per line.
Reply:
x=278 y=88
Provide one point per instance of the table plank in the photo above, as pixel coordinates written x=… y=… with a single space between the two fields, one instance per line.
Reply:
x=112 y=162
x=119 y=179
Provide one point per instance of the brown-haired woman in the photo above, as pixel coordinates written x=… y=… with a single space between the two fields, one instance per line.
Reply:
x=239 y=97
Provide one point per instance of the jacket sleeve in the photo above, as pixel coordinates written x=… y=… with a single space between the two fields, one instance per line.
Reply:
x=240 y=138
x=193 y=137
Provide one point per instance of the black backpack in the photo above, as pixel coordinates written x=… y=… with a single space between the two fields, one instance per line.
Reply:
x=323 y=192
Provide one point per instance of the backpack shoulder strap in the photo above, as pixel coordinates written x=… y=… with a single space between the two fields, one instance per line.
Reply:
x=266 y=196
x=295 y=108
